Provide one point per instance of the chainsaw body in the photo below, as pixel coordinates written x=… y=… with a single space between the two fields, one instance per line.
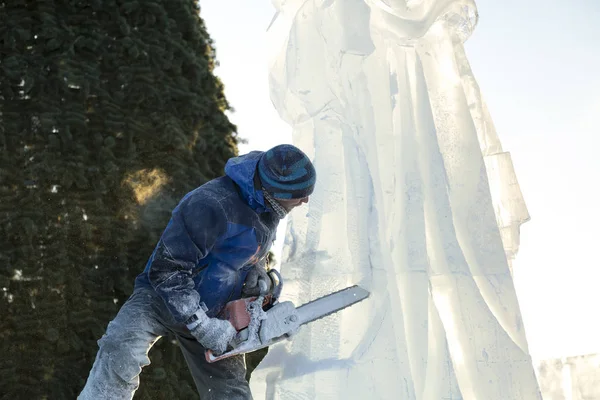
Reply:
x=257 y=328
x=260 y=323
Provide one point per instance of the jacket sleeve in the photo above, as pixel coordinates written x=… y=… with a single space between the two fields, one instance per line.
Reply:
x=196 y=225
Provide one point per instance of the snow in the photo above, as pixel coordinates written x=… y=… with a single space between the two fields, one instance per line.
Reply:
x=416 y=201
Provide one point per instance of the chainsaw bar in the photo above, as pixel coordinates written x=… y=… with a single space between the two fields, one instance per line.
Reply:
x=306 y=313
x=330 y=304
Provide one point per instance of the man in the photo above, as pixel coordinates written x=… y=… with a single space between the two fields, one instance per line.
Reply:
x=212 y=251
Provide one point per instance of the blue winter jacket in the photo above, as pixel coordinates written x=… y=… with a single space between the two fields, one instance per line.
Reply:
x=216 y=234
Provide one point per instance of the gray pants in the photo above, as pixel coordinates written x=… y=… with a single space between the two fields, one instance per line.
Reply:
x=123 y=352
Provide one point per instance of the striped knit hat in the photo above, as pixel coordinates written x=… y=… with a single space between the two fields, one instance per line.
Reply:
x=286 y=172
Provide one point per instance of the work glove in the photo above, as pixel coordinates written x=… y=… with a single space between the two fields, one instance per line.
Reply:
x=213 y=333
x=257 y=282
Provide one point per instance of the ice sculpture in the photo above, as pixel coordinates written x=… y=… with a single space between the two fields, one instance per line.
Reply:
x=416 y=200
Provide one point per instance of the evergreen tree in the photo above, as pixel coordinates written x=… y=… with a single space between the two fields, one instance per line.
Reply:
x=109 y=114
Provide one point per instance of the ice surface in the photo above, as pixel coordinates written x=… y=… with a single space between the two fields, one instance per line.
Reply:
x=416 y=201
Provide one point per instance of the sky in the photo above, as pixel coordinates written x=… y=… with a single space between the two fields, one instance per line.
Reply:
x=538 y=67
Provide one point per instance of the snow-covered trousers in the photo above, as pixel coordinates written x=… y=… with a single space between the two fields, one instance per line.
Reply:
x=123 y=352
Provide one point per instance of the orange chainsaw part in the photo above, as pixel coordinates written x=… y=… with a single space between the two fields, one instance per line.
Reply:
x=236 y=312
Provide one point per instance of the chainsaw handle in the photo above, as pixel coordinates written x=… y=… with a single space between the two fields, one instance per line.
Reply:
x=276 y=278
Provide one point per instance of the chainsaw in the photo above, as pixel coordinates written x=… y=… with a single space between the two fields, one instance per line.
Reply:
x=261 y=322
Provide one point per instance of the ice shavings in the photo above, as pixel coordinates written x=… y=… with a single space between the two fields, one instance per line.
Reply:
x=251 y=339
x=257 y=315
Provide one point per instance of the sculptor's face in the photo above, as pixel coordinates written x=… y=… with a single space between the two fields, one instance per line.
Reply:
x=290 y=204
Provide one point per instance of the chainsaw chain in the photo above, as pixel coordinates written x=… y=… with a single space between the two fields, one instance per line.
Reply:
x=332 y=312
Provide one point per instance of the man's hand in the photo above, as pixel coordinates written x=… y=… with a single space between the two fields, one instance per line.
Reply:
x=257 y=282
x=214 y=334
